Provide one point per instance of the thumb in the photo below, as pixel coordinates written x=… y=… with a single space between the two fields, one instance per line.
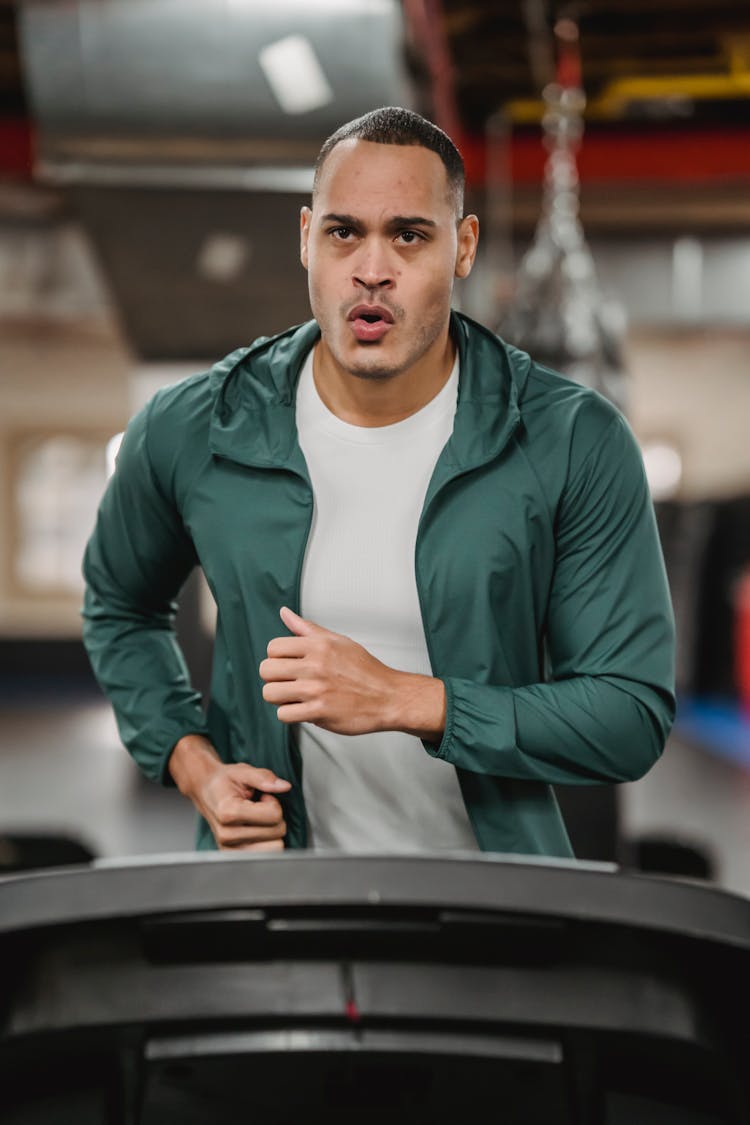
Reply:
x=256 y=777
x=296 y=624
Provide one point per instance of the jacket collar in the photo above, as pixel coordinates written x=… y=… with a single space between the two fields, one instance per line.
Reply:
x=253 y=421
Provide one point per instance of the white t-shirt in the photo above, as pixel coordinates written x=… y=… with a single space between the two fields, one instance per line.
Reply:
x=382 y=791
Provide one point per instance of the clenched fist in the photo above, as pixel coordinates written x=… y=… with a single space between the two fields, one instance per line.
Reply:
x=238 y=800
x=321 y=677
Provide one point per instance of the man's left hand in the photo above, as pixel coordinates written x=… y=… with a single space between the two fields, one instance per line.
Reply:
x=325 y=678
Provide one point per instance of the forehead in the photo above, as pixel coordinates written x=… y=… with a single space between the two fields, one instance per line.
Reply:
x=409 y=178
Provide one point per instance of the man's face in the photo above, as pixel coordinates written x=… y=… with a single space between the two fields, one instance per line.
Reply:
x=382 y=246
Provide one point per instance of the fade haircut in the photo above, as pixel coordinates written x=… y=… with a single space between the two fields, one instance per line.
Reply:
x=392 y=125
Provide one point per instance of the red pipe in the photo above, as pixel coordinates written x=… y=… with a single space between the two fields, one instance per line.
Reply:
x=16 y=147
x=424 y=19
x=698 y=156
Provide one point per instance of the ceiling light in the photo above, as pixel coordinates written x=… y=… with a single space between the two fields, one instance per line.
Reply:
x=294 y=73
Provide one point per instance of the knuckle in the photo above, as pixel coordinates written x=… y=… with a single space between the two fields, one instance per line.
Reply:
x=317 y=708
x=222 y=811
x=271 y=809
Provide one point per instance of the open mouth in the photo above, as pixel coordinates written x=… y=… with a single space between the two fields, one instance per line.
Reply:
x=371 y=314
x=370 y=323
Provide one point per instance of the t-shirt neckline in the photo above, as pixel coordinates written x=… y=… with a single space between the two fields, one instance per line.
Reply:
x=315 y=412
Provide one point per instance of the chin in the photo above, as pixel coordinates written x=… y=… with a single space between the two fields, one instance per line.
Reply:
x=374 y=372
x=369 y=361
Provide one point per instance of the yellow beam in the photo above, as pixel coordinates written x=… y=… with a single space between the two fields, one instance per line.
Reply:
x=616 y=95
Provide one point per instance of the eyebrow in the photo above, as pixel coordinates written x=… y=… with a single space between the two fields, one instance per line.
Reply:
x=396 y=223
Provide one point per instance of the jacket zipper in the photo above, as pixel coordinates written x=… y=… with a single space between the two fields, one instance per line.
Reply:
x=296 y=769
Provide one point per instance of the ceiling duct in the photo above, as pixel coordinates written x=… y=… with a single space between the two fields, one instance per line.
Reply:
x=185 y=131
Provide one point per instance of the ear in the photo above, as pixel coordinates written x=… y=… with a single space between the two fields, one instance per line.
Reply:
x=468 y=238
x=305 y=218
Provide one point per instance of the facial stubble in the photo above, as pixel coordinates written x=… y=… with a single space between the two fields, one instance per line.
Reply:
x=427 y=335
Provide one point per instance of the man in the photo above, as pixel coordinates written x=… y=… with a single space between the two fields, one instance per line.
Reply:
x=436 y=568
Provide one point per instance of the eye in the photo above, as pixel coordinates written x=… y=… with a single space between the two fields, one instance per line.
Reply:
x=341 y=234
x=409 y=237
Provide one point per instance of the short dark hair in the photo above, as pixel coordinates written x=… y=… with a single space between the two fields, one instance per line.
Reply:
x=393 y=125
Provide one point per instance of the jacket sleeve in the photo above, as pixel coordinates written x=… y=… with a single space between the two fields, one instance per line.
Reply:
x=137 y=558
x=608 y=705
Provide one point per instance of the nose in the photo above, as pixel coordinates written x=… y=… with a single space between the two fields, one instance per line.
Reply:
x=372 y=268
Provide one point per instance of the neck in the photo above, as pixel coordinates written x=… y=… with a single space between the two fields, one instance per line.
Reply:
x=382 y=401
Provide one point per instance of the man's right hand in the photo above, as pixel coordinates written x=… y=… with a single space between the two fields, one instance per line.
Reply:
x=236 y=800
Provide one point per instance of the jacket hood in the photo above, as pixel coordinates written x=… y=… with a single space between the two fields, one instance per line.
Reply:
x=253 y=419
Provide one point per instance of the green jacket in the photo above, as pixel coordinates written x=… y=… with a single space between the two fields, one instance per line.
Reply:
x=540 y=578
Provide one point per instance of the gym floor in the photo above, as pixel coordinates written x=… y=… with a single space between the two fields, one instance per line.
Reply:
x=63 y=770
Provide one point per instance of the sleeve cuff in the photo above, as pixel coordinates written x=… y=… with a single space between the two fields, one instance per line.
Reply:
x=440 y=749
x=153 y=746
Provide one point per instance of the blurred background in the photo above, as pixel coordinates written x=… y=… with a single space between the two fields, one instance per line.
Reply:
x=153 y=158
